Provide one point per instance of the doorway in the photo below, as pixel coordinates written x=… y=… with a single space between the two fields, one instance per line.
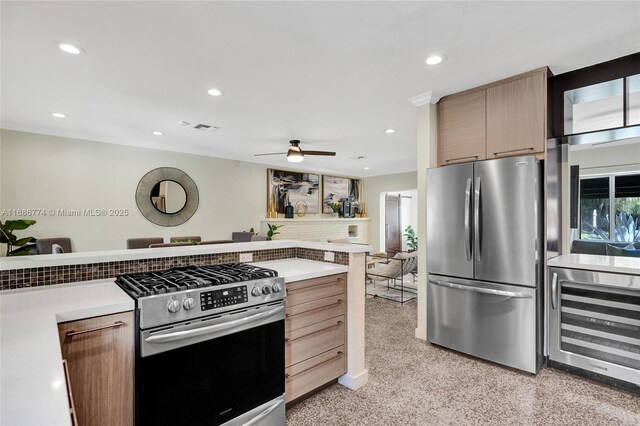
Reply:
x=393 y=224
x=398 y=211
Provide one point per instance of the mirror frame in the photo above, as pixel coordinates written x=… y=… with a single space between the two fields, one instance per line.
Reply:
x=150 y=212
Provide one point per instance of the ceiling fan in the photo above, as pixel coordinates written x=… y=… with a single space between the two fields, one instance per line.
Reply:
x=296 y=154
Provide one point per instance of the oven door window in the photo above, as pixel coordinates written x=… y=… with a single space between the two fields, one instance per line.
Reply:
x=214 y=381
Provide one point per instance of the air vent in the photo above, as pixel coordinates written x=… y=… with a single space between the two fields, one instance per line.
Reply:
x=206 y=127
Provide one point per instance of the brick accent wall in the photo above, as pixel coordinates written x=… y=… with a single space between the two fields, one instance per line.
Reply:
x=33 y=277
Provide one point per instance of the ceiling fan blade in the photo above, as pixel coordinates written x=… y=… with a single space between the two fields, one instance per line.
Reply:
x=271 y=153
x=327 y=153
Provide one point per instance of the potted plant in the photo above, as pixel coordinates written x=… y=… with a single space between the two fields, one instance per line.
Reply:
x=17 y=246
x=335 y=207
x=412 y=239
x=273 y=230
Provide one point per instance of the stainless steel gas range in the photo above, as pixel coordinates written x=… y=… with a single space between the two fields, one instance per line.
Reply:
x=209 y=345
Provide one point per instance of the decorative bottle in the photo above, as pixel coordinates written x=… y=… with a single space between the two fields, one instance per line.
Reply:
x=288 y=211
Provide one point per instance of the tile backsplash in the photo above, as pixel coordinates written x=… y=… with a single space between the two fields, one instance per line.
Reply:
x=32 y=277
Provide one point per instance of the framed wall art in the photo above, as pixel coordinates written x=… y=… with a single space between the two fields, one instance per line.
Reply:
x=339 y=189
x=298 y=188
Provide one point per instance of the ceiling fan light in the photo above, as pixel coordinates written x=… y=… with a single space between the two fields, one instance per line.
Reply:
x=294 y=155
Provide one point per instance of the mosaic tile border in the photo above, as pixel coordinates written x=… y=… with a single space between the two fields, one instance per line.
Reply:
x=36 y=277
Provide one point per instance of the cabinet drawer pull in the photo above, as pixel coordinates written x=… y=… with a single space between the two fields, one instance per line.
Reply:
x=460 y=158
x=339 y=300
x=286 y=339
x=72 y=409
x=72 y=333
x=286 y=376
x=514 y=150
x=338 y=354
x=287 y=315
x=339 y=322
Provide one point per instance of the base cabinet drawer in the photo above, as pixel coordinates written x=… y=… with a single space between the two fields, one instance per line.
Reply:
x=305 y=319
x=314 y=372
x=315 y=289
x=304 y=347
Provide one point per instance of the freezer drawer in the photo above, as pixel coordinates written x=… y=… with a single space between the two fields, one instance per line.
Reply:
x=492 y=321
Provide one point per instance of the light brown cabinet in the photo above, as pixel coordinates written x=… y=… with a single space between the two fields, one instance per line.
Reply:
x=315 y=334
x=462 y=129
x=516 y=117
x=502 y=119
x=98 y=353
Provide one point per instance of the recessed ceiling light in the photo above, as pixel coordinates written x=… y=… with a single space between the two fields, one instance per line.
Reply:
x=389 y=131
x=157 y=133
x=58 y=115
x=70 y=48
x=434 y=59
x=367 y=168
x=215 y=92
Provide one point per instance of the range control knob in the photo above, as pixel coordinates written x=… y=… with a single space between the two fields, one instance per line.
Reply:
x=173 y=306
x=266 y=289
x=188 y=303
x=275 y=287
x=256 y=291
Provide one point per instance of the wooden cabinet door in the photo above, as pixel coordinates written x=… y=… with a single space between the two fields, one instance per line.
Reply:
x=99 y=353
x=461 y=129
x=516 y=117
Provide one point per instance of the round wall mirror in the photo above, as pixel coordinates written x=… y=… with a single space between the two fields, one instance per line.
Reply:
x=167 y=196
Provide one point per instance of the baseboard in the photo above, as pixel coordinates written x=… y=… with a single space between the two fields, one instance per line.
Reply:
x=354 y=382
x=421 y=333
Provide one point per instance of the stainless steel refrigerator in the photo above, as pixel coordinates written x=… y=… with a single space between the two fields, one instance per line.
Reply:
x=484 y=260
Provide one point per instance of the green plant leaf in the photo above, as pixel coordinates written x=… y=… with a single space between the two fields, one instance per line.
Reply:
x=24 y=250
x=18 y=225
x=23 y=241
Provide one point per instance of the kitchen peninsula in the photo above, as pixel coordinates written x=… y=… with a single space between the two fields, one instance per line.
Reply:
x=32 y=361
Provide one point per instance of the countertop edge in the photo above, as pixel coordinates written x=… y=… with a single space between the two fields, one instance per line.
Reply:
x=593 y=262
x=79 y=258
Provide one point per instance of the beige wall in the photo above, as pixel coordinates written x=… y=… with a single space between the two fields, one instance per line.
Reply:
x=49 y=172
x=376 y=185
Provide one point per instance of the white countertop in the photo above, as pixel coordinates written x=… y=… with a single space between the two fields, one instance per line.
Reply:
x=302 y=269
x=43 y=260
x=32 y=383
x=593 y=262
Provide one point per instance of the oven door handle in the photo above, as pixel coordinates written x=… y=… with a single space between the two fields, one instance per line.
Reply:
x=180 y=335
x=265 y=413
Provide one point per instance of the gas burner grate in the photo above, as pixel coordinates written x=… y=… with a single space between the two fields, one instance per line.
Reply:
x=190 y=277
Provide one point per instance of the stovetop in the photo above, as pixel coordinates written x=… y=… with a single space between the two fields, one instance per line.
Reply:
x=190 y=278
x=186 y=293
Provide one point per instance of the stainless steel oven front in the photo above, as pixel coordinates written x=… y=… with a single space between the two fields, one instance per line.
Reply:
x=225 y=369
x=594 y=322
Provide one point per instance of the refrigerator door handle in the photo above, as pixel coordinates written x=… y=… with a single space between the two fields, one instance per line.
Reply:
x=476 y=218
x=467 y=219
x=513 y=294
x=554 y=291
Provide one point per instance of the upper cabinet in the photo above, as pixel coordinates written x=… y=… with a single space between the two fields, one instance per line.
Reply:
x=462 y=129
x=501 y=119
x=516 y=113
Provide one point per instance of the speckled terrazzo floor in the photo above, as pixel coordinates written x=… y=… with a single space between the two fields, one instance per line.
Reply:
x=415 y=383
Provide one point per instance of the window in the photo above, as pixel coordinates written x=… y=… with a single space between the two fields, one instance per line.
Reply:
x=609 y=196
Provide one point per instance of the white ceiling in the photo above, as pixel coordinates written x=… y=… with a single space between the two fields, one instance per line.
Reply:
x=334 y=74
